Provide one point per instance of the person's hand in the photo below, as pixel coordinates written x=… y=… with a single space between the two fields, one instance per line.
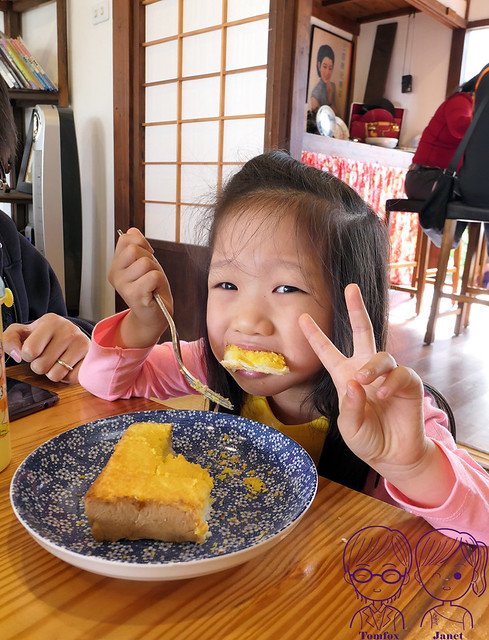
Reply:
x=136 y=275
x=381 y=404
x=47 y=342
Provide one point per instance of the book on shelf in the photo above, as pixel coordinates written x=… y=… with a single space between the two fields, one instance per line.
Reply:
x=20 y=69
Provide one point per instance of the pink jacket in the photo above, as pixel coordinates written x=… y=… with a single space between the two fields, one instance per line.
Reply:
x=112 y=373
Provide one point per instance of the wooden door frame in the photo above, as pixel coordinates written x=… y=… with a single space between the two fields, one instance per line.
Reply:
x=129 y=73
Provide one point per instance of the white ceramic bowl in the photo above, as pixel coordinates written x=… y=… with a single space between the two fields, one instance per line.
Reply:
x=390 y=143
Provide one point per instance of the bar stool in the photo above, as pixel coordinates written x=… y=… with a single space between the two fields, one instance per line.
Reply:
x=421 y=273
x=469 y=293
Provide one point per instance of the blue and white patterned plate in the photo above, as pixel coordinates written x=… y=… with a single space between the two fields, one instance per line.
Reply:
x=264 y=482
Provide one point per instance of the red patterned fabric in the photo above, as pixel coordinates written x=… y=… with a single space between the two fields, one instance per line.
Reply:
x=376 y=183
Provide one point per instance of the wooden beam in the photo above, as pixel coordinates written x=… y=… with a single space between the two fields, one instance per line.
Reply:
x=62 y=26
x=387 y=15
x=455 y=61
x=138 y=72
x=329 y=3
x=11 y=23
x=301 y=71
x=128 y=66
x=19 y=6
x=335 y=19
x=279 y=74
x=122 y=30
x=440 y=12
x=475 y=24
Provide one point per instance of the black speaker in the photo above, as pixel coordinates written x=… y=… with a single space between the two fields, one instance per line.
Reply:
x=407 y=84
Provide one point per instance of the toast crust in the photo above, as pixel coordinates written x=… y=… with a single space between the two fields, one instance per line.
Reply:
x=146 y=491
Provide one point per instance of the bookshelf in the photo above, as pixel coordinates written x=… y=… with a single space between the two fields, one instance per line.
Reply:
x=24 y=98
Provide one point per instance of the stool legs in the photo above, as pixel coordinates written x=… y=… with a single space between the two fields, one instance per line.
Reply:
x=441 y=273
x=468 y=276
x=421 y=267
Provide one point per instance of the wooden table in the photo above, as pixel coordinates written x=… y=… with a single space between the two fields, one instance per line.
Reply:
x=295 y=590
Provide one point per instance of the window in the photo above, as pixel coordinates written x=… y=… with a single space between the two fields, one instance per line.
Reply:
x=475 y=52
x=204 y=105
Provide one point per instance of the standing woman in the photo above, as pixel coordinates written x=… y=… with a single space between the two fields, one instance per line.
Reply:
x=325 y=90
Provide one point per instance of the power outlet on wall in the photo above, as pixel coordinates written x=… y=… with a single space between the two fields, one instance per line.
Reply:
x=100 y=11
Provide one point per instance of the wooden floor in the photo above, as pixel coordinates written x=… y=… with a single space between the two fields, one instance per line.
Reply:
x=456 y=365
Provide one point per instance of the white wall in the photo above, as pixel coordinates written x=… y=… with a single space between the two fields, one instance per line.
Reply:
x=90 y=81
x=429 y=68
x=478 y=10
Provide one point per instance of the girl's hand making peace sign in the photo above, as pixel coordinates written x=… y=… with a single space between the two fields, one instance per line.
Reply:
x=381 y=409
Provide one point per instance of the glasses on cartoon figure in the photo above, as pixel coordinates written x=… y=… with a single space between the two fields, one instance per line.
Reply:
x=390 y=576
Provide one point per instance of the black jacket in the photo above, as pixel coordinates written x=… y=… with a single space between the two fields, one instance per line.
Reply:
x=472 y=178
x=33 y=283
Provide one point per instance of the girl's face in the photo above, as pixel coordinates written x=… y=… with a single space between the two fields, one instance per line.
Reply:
x=326 y=69
x=260 y=282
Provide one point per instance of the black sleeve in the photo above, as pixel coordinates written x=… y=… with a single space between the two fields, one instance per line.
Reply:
x=29 y=275
x=44 y=292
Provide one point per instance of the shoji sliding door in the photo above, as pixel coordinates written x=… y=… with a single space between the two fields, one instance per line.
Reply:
x=205 y=90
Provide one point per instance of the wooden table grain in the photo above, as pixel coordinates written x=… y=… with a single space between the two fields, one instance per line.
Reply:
x=295 y=590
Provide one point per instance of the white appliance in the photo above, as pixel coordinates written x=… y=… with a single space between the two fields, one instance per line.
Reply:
x=50 y=171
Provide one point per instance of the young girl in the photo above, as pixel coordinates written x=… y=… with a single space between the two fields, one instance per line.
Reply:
x=287 y=242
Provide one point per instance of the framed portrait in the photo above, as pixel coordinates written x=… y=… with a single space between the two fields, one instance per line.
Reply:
x=330 y=60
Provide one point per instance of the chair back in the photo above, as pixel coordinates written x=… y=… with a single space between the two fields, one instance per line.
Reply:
x=183 y=266
x=442 y=403
x=409 y=205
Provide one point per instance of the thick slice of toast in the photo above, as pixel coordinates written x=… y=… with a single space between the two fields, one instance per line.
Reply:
x=146 y=491
x=236 y=358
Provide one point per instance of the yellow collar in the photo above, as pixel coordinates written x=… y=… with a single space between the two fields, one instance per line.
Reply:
x=310 y=435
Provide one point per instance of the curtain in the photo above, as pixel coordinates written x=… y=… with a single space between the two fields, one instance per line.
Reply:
x=376 y=183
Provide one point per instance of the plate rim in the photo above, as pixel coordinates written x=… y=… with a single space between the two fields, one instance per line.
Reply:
x=325 y=108
x=183 y=569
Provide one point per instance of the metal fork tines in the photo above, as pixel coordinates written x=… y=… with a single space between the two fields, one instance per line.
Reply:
x=194 y=382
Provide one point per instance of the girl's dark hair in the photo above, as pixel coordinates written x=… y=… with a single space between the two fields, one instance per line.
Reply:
x=348 y=240
x=469 y=85
x=324 y=51
x=8 y=131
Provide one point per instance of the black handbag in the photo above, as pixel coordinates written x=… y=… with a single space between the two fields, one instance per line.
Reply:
x=433 y=212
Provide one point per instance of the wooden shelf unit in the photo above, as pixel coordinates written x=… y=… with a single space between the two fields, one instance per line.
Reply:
x=25 y=98
x=16 y=197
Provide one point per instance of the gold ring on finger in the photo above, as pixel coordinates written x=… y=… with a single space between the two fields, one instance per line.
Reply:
x=64 y=364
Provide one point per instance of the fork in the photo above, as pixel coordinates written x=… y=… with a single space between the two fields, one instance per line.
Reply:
x=194 y=382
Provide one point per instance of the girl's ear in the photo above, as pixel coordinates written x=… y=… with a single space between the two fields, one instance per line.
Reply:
x=347 y=577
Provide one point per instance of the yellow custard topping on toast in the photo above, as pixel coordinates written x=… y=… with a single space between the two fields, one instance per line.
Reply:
x=146 y=491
